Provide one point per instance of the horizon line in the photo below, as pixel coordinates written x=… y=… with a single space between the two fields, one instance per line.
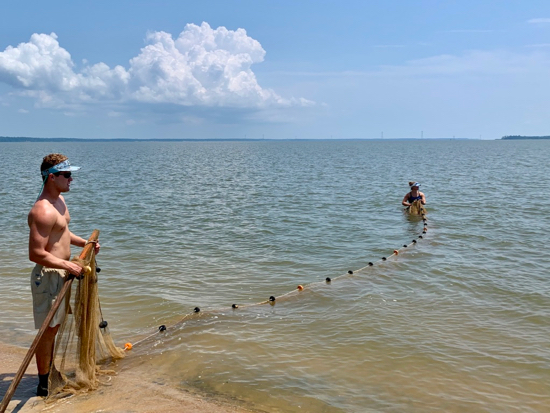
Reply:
x=60 y=139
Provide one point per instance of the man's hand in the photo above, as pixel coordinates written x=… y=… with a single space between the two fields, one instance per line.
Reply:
x=97 y=247
x=74 y=268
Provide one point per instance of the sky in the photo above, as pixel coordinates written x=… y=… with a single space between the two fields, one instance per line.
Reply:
x=236 y=69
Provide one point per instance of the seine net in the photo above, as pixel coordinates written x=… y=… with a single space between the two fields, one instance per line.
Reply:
x=417 y=208
x=83 y=350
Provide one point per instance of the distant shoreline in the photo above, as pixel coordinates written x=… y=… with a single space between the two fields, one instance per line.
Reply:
x=525 y=137
x=29 y=139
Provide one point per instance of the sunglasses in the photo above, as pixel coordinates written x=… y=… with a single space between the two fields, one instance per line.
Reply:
x=64 y=174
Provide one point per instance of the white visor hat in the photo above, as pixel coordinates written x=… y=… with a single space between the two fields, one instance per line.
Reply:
x=64 y=166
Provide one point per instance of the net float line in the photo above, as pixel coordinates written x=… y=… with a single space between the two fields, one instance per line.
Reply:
x=300 y=288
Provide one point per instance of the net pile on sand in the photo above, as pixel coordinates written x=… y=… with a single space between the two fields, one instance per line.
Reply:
x=83 y=349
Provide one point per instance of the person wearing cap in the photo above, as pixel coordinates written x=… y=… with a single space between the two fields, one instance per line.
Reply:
x=413 y=195
x=50 y=243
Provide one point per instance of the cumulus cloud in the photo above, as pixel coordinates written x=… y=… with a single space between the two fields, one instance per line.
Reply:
x=202 y=67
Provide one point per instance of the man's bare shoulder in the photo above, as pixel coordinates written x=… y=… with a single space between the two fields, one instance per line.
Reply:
x=43 y=213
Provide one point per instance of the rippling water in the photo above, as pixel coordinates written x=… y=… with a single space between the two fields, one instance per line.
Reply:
x=458 y=322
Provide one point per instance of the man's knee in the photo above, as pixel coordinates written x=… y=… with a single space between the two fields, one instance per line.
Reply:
x=50 y=333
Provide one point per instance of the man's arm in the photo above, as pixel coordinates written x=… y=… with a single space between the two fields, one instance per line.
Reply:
x=77 y=241
x=81 y=242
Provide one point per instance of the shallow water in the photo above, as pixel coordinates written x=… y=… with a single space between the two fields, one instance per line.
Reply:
x=457 y=322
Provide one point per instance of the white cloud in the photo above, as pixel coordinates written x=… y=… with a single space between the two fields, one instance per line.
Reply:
x=202 y=67
x=389 y=46
x=39 y=64
x=470 y=31
x=540 y=20
x=459 y=66
x=475 y=62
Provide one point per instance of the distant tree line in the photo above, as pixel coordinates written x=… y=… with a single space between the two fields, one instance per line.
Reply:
x=525 y=137
x=26 y=139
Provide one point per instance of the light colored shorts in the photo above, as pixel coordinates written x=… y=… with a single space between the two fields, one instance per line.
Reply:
x=46 y=283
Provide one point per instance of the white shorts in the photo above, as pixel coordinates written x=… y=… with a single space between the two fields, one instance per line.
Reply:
x=46 y=284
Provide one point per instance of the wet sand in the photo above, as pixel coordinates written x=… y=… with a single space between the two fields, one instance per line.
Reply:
x=128 y=394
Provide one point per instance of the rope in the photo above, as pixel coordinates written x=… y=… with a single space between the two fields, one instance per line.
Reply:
x=272 y=299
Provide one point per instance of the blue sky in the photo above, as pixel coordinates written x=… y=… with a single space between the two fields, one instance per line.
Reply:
x=274 y=69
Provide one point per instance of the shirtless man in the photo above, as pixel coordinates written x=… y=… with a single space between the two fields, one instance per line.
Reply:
x=50 y=243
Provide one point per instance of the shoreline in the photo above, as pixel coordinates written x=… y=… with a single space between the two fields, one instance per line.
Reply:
x=127 y=393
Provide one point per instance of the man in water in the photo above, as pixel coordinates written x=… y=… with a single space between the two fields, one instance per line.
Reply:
x=413 y=195
x=50 y=243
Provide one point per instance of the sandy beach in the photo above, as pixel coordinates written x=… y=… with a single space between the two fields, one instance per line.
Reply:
x=133 y=396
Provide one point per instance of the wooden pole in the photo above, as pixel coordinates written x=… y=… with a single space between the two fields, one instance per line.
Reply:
x=86 y=251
